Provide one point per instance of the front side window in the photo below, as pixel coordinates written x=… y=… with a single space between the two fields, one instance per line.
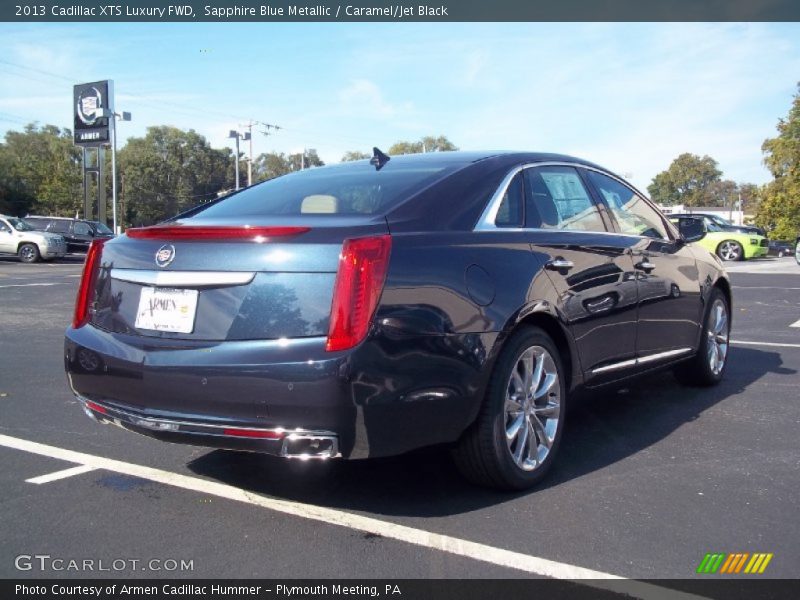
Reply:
x=634 y=215
x=557 y=199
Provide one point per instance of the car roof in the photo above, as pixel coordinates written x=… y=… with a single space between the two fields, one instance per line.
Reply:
x=465 y=157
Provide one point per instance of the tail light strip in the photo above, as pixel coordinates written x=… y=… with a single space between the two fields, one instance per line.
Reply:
x=212 y=233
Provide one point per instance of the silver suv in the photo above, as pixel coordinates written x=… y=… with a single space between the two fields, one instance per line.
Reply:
x=20 y=238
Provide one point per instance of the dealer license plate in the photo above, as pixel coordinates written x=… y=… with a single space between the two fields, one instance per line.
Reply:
x=162 y=309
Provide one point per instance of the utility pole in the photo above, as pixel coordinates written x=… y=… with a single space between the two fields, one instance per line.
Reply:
x=249 y=137
x=237 y=136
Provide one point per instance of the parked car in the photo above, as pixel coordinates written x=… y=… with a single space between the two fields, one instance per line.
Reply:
x=79 y=233
x=728 y=245
x=797 y=249
x=369 y=308
x=20 y=238
x=723 y=224
x=780 y=249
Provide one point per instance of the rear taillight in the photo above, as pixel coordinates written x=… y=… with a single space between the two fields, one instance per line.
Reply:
x=86 y=289
x=244 y=233
x=359 y=283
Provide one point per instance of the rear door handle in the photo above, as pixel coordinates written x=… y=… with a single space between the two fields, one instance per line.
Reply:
x=559 y=264
x=645 y=266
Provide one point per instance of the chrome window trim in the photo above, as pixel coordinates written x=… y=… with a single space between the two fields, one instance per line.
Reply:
x=486 y=222
x=182 y=278
x=641 y=360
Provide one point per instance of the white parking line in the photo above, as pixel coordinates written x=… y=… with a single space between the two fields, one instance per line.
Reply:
x=795 y=324
x=456 y=546
x=775 y=344
x=763 y=287
x=60 y=474
x=31 y=284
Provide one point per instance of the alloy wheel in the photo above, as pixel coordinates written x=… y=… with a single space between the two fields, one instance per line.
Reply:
x=27 y=253
x=718 y=336
x=730 y=250
x=532 y=407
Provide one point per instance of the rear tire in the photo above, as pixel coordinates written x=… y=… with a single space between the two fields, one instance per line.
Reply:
x=707 y=366
x=730 y=250
x=29 y=253
x=515 y=438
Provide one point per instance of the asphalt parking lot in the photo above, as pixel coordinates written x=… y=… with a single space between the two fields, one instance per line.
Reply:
x=651 y=477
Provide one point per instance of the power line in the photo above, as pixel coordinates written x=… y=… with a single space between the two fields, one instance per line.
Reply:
x=185 y=109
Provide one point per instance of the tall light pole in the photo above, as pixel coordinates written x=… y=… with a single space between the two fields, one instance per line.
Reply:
x=124 y=116
x=237 y=136
x=113 y=116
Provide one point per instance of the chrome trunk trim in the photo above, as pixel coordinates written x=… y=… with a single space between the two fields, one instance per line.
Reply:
x=183 y=278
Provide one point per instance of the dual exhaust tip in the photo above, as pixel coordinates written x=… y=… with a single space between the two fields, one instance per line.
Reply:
x=296 y=444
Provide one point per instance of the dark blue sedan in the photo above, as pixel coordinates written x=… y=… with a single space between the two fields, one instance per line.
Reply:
x=374 y=307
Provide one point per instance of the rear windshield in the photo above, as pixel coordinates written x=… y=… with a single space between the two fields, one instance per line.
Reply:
x=349 y=189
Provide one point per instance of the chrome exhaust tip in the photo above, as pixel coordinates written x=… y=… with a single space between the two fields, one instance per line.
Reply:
x=309 y=446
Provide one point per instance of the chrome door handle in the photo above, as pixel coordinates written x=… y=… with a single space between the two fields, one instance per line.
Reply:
x=559 y=264
x=645 y=266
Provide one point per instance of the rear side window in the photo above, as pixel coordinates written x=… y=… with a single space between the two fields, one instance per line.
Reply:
x=348 y=189
x=510 y=212
x=634 y=215
x=557 y=199
x=82 y=229
x=58 y=226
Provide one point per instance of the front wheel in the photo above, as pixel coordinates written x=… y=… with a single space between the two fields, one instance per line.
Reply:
x=708 y=365
x=29 y=253
x=730 y=250
x=515 y=438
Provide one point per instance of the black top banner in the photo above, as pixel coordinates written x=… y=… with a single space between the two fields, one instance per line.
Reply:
x=402 y=10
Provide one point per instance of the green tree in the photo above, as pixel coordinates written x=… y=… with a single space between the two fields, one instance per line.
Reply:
x=690 y=179
x=352 y=155
x=298 y=161
x=427 y=143
x=750 y=196
x=779 y=210
x=272 y=164
x=168 y=171
x=40 y=171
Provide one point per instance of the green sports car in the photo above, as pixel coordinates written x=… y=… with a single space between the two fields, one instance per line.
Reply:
x=730 y=245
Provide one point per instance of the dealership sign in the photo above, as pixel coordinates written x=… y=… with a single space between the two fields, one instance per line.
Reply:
x=93 y=105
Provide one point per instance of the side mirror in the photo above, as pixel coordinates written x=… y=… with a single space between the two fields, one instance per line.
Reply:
x=692 y=230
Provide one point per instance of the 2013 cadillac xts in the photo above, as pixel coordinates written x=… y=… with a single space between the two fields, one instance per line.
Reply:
x=369 y=308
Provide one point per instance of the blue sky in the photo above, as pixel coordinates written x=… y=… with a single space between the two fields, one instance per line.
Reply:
x=628 y=96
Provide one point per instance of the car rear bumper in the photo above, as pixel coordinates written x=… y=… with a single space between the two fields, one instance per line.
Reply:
x=282 y=397
x=295 y=443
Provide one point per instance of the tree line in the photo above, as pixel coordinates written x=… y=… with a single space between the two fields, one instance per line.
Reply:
x=167 y=171
x=170 y=170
